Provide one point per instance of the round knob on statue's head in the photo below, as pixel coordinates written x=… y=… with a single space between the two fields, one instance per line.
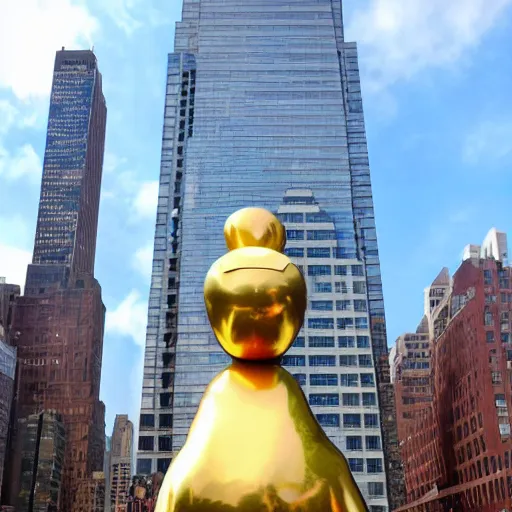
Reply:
x=254 y=227
x=255 y=296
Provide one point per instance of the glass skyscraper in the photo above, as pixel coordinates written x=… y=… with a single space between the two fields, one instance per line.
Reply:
x=263 y=108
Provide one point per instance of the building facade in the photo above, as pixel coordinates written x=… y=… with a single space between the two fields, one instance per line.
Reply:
x=60 y=318
x=42 y=443
x=120 y=470
x=459 y=452
x=263 y=108
x=8 y=295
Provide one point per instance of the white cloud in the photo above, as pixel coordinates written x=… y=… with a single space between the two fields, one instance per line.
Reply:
x=129 y=318
x=15 y=238
x=401 y=38
x=146 y=199
x=112 y=162
x=30 y=33
x=143 y=260
x=488 y=142
x=24 y=163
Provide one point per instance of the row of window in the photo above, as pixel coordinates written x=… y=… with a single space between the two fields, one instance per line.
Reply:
x=348 y=399
x=148 y=420
x=144 y=465
x=355 y=443
x=341 y=323
x=341 y=305
x=328 y=341
x=361 y=360
x=350 y=380
x=350 y=420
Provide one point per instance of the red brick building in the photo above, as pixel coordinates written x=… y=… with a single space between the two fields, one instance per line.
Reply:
x=458 y=455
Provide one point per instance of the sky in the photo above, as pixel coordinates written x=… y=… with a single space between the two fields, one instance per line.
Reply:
x=436 y=79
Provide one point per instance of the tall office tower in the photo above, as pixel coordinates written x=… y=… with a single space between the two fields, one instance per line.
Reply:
x=65 y=241
x=263 y=108
x=120 y=470
x=61 y=316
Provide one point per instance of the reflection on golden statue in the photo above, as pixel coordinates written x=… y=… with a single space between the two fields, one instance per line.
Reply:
x=254 y=444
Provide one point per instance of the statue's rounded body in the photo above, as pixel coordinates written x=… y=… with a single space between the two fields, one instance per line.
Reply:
x=255 y=444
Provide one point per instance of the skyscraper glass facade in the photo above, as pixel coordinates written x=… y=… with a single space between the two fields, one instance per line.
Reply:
x=263 y=108
x=68 y=207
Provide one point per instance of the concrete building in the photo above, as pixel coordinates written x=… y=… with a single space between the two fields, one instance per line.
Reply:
x=120 y=469
x=279 y=124
x=458 y=452
x=61 y=316
x=8 y=295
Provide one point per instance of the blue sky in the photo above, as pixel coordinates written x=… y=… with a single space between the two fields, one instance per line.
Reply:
x=436 y=77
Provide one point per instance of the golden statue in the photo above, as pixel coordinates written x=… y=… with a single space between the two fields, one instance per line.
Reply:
x=255 y=445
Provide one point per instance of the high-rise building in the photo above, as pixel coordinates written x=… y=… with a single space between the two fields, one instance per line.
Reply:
x=42 y=443
x=60 y=318
x=120 y=470
x=8 y=295
x=458 y=449
x=263 y=108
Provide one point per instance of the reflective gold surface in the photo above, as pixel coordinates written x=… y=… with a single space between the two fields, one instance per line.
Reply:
x=255 y=445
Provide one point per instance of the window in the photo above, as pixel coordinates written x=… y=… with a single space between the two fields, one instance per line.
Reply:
x=345 y=323
x=373 y=443
x=354 y=443
x=376 y=489
x=294 y=234
x=317 y=217
x=300 y=378
x=352 y=421
x=144 y=466
x=346 y=341
x=297 y=218
x=488 y=320
x=365 y=360
x=165 y=399
x=341 y=287
x=349 y=380
x=323 y=379
x=348 y=360
x=340 y=270
x=165 y=421
x=319 y=252
x=162 y=465
x=164 y=444
x=146 y=443
x=360 y=305
x=343 y=305
x=500 y=400
x=321 y=323
x=367 y=380
x=505 y=337
x=351 y=399
x=321 y=341
x=487 y=277
x=328 y=420
x=363 y=342
x=359 y=287
x=299 y=342
x=325 y=399
x=321 y=234
x=369 y=399
x=294 y=252
x=378 y=508
x=323 y=287
x=321 y=305
x=356 y=465
x=371 y=420
x=374 y=465
x=291 y=360
x=319 y=270
x=322 y=360
x=361 y=322
x=357 y=270
x=489 y=335
x=147 y=420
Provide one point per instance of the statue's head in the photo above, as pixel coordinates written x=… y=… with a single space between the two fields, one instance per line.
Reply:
x=255 y=296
